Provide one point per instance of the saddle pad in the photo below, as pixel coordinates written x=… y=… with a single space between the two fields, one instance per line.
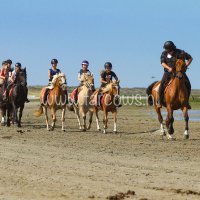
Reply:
x=73 y=95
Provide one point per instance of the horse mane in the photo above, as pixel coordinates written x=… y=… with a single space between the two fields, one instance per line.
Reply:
x=56 y=76
x=108 y=88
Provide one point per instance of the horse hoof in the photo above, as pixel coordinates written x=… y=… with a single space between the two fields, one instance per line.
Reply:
x=88 y=128
x=99 y=129
x=84 y=130
x=19 y=125
x=104 y=132
x=186 y=137
x=63 y=130
x=3 y=124
x=115 y=132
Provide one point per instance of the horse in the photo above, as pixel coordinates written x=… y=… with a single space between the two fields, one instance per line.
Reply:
x=109 y=103
x=84 y=103
x=56 y=99
x=176 y=97
x=16 y=99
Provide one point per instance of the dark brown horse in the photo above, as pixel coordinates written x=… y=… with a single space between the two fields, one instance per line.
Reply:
x=16 y=99
x=176 y=97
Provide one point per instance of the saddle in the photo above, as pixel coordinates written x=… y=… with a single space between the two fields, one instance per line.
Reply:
x=44 y=95
x=97 y=99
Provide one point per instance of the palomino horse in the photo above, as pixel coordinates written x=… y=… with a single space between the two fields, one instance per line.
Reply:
x=109 y=103
x=56 y=99
x=176 y=97
x=84 y=102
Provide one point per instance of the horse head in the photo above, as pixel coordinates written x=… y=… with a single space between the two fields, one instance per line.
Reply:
x=88 y=81
x=20 y=77
x=59 y=80
x=112 y=88
x=180 y=68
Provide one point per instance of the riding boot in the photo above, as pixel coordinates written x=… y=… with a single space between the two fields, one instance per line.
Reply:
x=188 y=86
x=67 y=100
x=76 y=98
x=117 y=102
x=26 y=94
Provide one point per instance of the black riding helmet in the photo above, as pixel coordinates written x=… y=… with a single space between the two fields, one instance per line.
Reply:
x=169 y=46
x=54 y=61
x=108 y=65
x=18 y=65
x=4 y=63
x=9 y=61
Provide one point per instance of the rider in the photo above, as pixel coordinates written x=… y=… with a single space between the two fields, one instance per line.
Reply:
x=107 y=76
x=13 y=75
x=4 y=71
x=168 y=61
x=82 y=71
x=53 y=71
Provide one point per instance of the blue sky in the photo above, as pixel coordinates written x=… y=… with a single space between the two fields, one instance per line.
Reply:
x=128 y=33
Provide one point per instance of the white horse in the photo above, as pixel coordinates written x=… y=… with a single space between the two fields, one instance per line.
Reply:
x=84 y=103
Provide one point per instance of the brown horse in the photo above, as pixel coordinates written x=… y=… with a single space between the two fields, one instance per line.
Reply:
x=56 y=100
x=109 y=104
x=176 y=97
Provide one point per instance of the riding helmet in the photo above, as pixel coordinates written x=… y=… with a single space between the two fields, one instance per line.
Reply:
x=85 y=62
x=18 y=65
x=54 y=61
x=9 y=61
x=4 y=63
x=169 y=45
x=108 y=65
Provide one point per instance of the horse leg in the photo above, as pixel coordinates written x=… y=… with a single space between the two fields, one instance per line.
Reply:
x=169 y=122
x=15 y=112
x=160 y=119
x=46 y=117
x=105 y=121
x=76 y=110
x=3 y=121
x=53 y=114
x=97 y=119
x=90 y=120
x=115 y=121
x=186 y=117
x=20 y=115
x=8 y=117
x=82 y=111
x=63 y=118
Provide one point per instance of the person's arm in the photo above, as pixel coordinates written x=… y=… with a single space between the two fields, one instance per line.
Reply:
x=102 y=80
x=115 y=76
x=79 y=76
x=49 y=74
x=189 y=59
x=164 y=64
x=189 y=62
x=2 y=72
x=167 y=67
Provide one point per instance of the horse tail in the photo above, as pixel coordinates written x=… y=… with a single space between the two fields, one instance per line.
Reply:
x=38 y=112
x=149 y=93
